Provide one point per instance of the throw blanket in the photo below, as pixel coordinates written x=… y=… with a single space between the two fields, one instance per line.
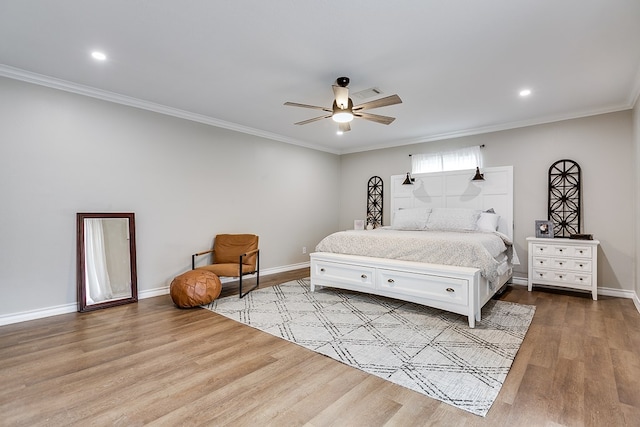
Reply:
x=486 y=251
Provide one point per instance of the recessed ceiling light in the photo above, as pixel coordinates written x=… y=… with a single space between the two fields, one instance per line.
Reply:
x=525 y=92
x=98 y=55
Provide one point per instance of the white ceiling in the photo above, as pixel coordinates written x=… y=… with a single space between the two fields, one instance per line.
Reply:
x=458 y=65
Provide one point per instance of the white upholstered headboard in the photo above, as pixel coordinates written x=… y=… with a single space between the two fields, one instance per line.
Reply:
x=455 y=189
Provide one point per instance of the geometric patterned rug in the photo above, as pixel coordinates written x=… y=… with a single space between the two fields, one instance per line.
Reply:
x=430 y=351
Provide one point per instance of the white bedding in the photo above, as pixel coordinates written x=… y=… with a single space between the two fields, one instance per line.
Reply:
x=492 y=253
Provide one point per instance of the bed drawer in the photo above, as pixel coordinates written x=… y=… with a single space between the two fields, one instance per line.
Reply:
x=437 y=288
x=349 y=274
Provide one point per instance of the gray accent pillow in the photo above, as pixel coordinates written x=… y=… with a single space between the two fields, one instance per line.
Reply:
x=453 y=219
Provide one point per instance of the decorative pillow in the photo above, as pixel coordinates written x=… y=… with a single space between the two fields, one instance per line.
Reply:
x=410 y=219
x=453 y=219
x=488 y=221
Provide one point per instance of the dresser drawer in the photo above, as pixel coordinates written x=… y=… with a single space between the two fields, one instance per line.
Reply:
x=560 y=278
x=446 y=289
x=583 y=265
x=349 y=274
x=562 y=250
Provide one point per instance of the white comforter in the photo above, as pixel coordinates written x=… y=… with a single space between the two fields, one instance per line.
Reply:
x=486 y=251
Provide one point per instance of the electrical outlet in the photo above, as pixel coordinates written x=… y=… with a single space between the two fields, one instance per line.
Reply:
x=304 y=249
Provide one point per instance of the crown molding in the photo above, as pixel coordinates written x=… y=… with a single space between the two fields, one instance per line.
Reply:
x=64 y=85
x=495 y=128
x=54 y=83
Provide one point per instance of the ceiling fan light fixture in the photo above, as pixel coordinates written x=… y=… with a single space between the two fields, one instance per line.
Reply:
x=342 y=115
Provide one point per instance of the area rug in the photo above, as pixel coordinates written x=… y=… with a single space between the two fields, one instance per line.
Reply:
x=430 y=351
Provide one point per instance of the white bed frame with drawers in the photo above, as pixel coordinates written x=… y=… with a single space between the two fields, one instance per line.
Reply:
x=460 y=290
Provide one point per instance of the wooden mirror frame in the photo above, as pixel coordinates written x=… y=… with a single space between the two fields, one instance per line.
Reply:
x=83 y=306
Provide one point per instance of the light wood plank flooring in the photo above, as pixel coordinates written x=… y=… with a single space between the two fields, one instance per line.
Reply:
x=152 y=363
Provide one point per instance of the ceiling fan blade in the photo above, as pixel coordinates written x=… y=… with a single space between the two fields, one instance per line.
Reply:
x=382 y=102
x=344 y=127
x=304 y=122
x=295 y=104
x=385 y=120
x=342 y=96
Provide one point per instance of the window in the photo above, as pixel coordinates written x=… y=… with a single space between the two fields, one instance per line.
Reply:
x=464 y=158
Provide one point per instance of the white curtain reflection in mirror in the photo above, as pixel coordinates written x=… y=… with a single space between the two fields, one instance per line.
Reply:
x=107 y=268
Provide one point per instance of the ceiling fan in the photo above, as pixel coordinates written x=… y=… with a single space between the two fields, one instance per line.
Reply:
x=343 y=111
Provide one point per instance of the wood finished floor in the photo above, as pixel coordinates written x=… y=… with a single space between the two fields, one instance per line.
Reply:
x=152 y=363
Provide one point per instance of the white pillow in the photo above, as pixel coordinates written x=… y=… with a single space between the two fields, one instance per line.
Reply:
x=488 y=222
x=410 y=219
x=453 y=219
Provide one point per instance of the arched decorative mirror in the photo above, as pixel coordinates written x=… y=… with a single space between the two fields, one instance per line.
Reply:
x=106 y=260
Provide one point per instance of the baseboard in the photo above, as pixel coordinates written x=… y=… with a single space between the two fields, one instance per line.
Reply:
x=7 y=319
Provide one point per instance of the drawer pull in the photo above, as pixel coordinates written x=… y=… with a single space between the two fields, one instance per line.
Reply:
x=581 y=265
x=450 y=290
x=580 y=278
x=541 y=262
x=541 y=275
x=559 y=250
x=560 y=277
x=560 y=263
x=322 y=269
x=581 y=251
x=390 y=280
x=364 y=276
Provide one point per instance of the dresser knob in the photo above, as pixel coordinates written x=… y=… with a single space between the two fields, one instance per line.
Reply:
x=581 y=252
x=560 y=277
x=390 y=280
x=560 y=250
x=581 y=265
x=541 y=274
x=560 y=263
x=322 y=269
x=450 y=290
x=541 y=262
x=364 y=276
x=580 y=279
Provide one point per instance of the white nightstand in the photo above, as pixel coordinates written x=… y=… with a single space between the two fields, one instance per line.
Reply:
x=567 y=263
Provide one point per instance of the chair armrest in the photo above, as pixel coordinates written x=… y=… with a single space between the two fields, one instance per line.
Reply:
x=255 y=251
x=250 y=252
x=193 y=257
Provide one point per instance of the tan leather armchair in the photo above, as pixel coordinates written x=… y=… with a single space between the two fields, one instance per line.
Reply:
x=234 y=255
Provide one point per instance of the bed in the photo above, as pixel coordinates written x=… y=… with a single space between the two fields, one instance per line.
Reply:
x=449 y=245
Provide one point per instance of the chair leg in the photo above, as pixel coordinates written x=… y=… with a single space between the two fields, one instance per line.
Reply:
x=242 y=295
x=257 y=276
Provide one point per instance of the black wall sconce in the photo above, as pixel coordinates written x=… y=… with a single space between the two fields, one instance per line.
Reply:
x=408 y=180
x=479 y=176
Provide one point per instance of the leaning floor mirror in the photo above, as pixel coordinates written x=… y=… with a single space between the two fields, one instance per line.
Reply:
x=106 y=260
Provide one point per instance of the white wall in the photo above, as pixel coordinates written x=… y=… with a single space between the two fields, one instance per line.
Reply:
x=602 y=146
x=62 y=153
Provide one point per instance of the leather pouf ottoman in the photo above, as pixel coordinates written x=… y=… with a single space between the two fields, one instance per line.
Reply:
x=195 y=288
